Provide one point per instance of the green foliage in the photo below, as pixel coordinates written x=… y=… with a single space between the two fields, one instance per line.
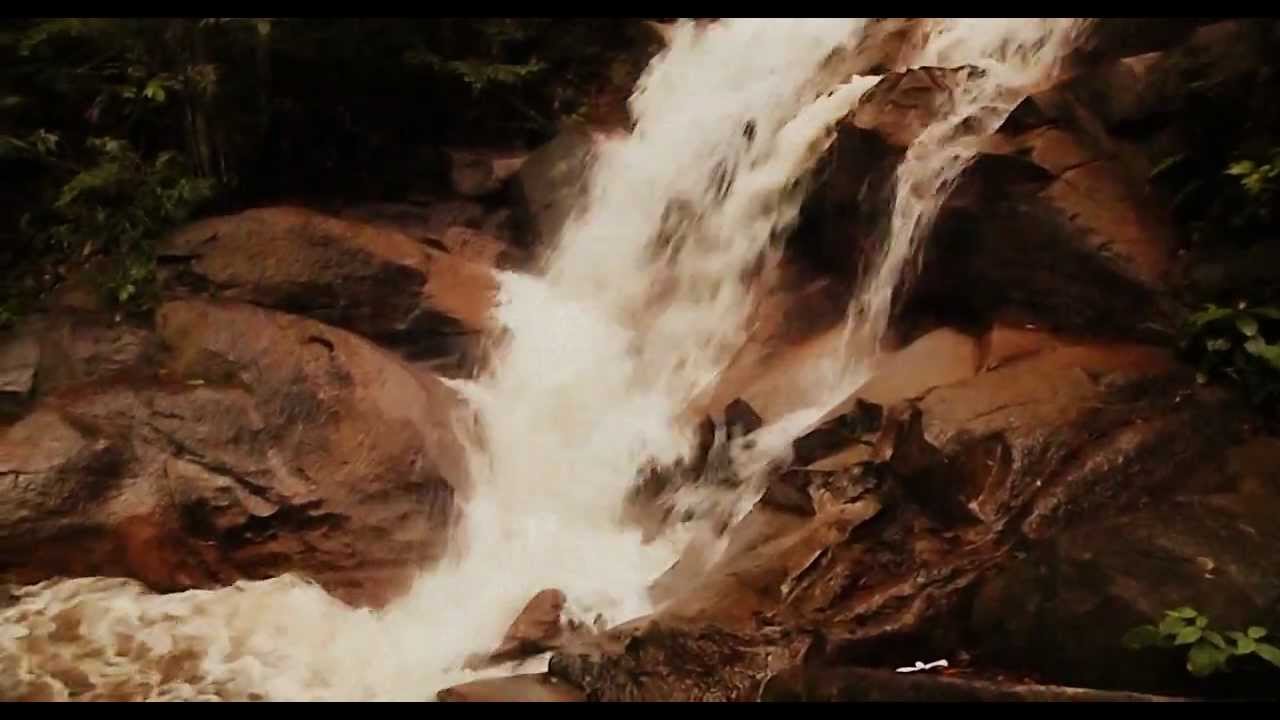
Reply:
x=1209 y=650
x=116 y=203
x=1232 y=204
x=114 y=129
x=1258 y=182
x=1232 y=343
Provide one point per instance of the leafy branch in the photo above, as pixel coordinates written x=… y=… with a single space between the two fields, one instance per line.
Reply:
x=1208 y=650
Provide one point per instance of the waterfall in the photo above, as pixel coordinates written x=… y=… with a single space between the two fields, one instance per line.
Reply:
x=640 y=305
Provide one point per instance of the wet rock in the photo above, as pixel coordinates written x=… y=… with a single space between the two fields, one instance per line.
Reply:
x=902 y=104
x=269 y=444
x=649 y=661
x=741 y=419
x=965 y=473
x=51 y=351
x=850 y=684
x=1123 y=37
x=478 y=173
x=550 y=181
x=19 y=357
x=1063 y=609
x=79 y=348
x=539 y=627
x=378 y=283
x=540 y=687
x=837 y=433
x=430 y=221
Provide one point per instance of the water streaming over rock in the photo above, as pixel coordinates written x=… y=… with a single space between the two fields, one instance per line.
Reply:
x=640 y=306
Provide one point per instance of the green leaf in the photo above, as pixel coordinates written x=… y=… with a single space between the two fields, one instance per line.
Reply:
x=1187 y=636
x=1245 y=645
x=1201 y=621
x=1256 y=632
x=1215 y=638
x=1243 y=167
x=1183 y=612
x=1141 y=637
x=1259 y=348
x=1171 y=626
x=1204 y=659
x=1208 y=315
x=1268 y=652
x=154 y=90
x=1217 y=344
x=1247 y=325
x=1166 y=164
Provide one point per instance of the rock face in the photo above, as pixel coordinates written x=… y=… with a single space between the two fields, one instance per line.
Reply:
x=550 y=182
x=475 y=174
x=1047 y=225
x=378 y=283
x=268 y=444
x=884 y=561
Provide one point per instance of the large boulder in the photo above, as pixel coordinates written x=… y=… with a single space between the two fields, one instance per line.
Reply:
x=268 y=444
x=373 y=281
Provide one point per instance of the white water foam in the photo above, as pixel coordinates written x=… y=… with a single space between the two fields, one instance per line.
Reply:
x=603 y=352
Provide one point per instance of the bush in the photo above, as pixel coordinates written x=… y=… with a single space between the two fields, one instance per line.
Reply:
x=1231 y=344
x=1209 y=651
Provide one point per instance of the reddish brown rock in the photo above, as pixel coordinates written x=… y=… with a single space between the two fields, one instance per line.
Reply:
x=274 y=444
x=78 y=348
x=430 y=222
x=902 y=104
x=538 y=628
x=378 y=283
x=539 y=687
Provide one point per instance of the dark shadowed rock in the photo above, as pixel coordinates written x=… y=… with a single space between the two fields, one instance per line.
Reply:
x=741 y=419
x=19 y=357
x=478 y=173
x=1063 y=610
x=551 y=181
x=849 y=684
x=375 y=282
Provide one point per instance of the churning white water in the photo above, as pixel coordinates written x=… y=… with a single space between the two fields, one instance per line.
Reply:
x=642 y=303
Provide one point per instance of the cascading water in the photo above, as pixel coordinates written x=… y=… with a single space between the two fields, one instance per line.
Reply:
x=642 y=303
x=1010 y=56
